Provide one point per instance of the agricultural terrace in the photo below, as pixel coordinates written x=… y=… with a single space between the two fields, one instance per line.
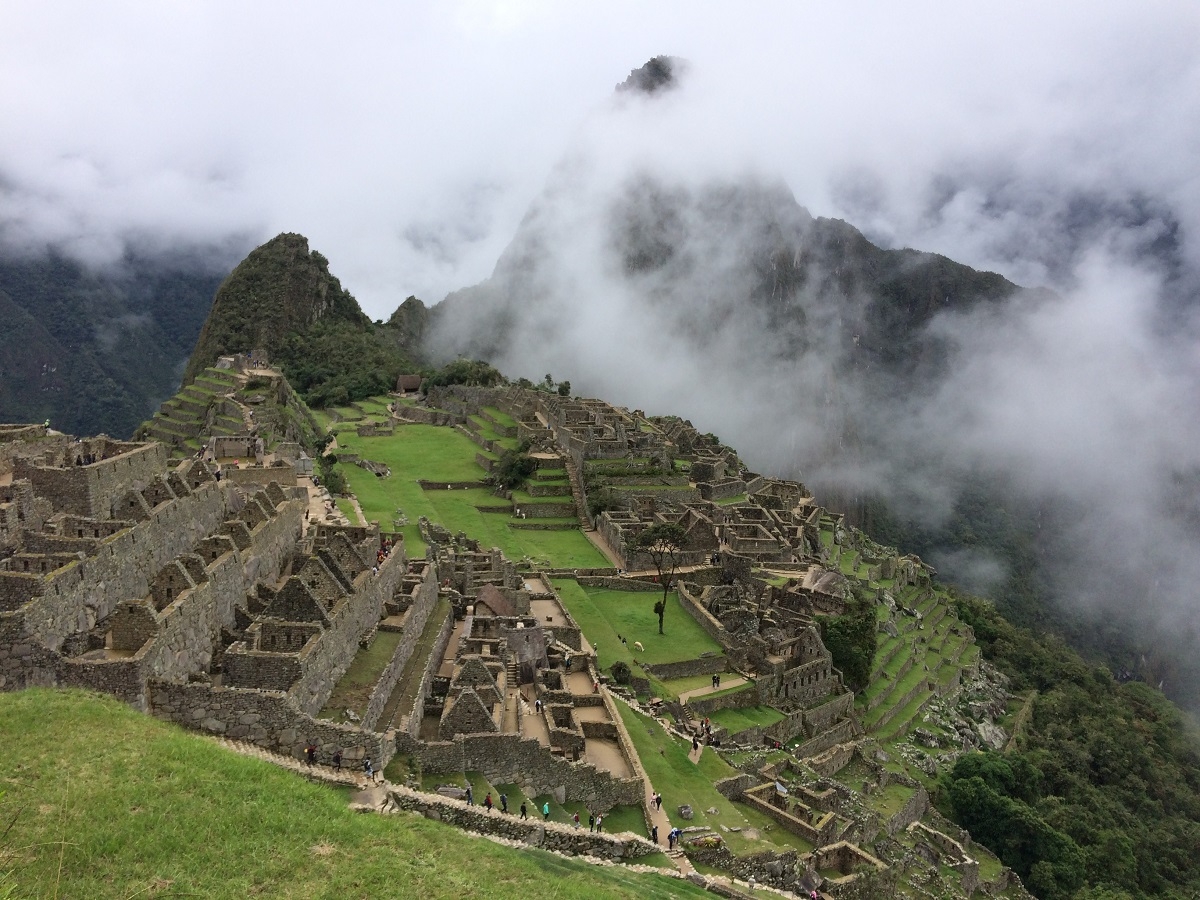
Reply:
x=440 y=454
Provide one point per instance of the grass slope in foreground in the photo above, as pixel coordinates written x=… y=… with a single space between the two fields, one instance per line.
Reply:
x=110 y=803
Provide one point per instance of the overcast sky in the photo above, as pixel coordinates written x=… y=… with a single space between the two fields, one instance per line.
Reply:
x=1057 y=143
x=407 y=139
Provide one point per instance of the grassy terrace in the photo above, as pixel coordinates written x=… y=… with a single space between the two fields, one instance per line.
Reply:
x=680 y=781
x=353 y=689
x=110 y=804
x=603 y=614
x=405 y=693
x=738 y=720
x=447 y=455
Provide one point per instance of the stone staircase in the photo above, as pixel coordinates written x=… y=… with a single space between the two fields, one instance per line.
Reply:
x=577 y=493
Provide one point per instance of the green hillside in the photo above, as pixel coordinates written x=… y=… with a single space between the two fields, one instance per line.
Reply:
x=106 y=803
x=283 y=300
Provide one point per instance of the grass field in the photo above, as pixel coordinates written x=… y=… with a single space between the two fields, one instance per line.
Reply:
x=603 y=614
x=446 y=455
x=109 y=803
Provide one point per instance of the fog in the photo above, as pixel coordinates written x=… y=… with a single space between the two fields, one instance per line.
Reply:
x=1054 y=145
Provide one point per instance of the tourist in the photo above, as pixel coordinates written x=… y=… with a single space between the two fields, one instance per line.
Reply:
x=470 y=796
x=599 y=824
x=337 y=760
x=504 y=803
x=591 y=821
x=310 y=753
x=546 y=811
x=671 y=839
x=654 y=833
x=524 y=811
x=575 y=820
x=695 y=743
x=368 y=770
x=487 y=801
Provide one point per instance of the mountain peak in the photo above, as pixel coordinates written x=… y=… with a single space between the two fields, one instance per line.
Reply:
x=659 y=74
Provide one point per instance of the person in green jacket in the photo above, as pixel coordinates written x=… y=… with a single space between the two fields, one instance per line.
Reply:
x=546 y=810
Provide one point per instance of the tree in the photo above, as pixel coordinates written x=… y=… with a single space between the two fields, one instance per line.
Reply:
x=564 y=389
x=663 y=542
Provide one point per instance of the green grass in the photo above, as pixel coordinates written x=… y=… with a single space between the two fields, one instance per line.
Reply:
x=603 y=614
x=446 y=455
x=737 y=720
x=353 y=689
x=109 y=803
x=681 y=781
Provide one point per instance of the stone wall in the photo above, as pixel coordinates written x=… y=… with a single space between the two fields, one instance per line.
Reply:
x=76 y=598
x=617 y=583
x=533 y=831
x=512 y=758
x=741 y=697
x=333 y=652
x=267 y=719
x=92 y=490
x=912 y=810
x=703 y=665
x=423 y=605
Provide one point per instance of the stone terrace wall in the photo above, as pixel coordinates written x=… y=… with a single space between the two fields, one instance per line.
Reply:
x=411 y=728
x=327 y=660
x=535 y=832
x=414 y=625
x=268 y=719
x=713 y=628
x=704 y=665
x=509 y=757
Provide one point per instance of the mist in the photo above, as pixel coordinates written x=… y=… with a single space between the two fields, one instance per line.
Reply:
x=1054 y=145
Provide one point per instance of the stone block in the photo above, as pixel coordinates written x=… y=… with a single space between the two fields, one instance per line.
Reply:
x=215 y=725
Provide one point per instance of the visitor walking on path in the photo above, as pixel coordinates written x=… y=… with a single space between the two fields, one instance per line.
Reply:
x=524 y=811
x=504 y=803
x=575 y=820
x=546 y=811
x=599 y=824
x=591 y=821
x=470 y=797
x=487 y=801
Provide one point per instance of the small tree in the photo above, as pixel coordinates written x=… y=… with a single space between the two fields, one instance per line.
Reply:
x=564 y=389
x=663 y=542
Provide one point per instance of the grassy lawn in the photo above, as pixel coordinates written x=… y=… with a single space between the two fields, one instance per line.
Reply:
x=681 y=781
x=603 y=614
x=445 y=455
x=353 y=690
x=737 y=720
x=110 y=803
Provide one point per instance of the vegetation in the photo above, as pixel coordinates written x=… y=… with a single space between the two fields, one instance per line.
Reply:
x=852 y=639
x=96 y=351
x=1103 y=790
x=663 y=542
x=464 y=371
x=513 y=469
x=116 y=804
x=604 y=614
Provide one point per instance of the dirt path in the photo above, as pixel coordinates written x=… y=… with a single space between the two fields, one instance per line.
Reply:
x=601 y=544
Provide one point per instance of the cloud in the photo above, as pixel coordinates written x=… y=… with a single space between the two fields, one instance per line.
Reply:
x=1053 y=144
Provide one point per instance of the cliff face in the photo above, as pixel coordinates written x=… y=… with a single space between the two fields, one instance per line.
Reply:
x=281 y=289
